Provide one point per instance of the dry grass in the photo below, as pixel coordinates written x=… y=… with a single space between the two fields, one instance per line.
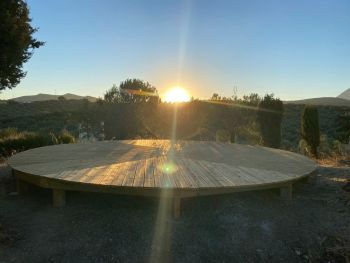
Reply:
x=334 y=160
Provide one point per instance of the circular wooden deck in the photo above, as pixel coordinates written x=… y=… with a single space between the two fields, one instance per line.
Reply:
x=155 y=167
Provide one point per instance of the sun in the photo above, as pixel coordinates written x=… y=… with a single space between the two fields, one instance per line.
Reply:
x=177 y=94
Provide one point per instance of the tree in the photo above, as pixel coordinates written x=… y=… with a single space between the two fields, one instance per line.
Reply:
x=269 y=117
x=343 y=127
x=252 y=99
x=310 y=128
x=16 y=41
x=99 y=101
x=113 y=95
x=215 y=96
x=132 y=91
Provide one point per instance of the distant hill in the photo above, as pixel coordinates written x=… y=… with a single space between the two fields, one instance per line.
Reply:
x=345 y=95
x=324 y=101
x=45 y=97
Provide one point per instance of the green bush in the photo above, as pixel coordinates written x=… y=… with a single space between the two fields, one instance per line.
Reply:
x=310 y=128
x=66 y=137
x=324 y=147
x=303 y=147
x=338 y=148
x=248 y=134
x=288 y=145
x=8 y=132
x=269 y=117
x=223 y=136
x=12 y=141
x=21 y=141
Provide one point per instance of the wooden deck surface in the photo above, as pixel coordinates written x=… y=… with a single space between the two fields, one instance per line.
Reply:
x=158 y=164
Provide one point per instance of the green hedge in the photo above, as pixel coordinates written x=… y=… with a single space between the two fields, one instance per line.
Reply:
x=12 y=141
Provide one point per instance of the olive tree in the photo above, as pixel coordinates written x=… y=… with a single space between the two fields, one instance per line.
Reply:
x=16 y=41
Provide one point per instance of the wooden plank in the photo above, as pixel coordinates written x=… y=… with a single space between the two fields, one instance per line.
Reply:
x=129 y=181
x=192 y=170
x=149 y=172
x=186 y=181
x=193 y=178
x=108 y=175
x=93 y=175
x=218 y=173
x=140 y=174
x=129 y=170
x=214 y=176
x=168 y=176
x=72 y=175
x=99 y=175
x=178 y=176
x=165 y=180
x=121 y=172
x=236 y=176
x=158 y=173
x=264 y=175
x=259 y=175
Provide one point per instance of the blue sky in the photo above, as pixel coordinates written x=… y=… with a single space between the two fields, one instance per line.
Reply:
x=294 y=49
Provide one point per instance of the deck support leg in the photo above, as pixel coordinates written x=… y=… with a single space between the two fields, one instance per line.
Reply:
x=58 y=198
x=22 y=187
x=286 y=192
x=176 y=207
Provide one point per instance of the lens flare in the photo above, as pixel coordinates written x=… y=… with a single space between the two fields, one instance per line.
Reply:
x=177 y=94
x=169 y=168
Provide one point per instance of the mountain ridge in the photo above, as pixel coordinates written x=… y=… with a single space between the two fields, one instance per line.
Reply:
x=342 y=99
x=326 y=101
x=345 y=94
x=46 y=97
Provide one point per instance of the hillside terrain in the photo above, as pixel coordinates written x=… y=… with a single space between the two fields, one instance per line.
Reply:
x=342 y=99
x=325 y=101
x=48 y=97
x=54 y=116
x=43 y=116
x=345 y=95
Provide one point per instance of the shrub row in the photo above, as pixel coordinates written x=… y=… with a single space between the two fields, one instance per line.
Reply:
x=12 y=141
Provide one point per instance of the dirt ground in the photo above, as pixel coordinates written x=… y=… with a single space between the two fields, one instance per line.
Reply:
x=242 y=227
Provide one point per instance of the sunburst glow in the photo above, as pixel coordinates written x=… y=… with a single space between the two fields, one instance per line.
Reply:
x=177 y=94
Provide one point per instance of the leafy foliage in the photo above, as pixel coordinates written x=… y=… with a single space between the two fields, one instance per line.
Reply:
x=329 y=118
x=132 y=91
x=236 y=115
x=343 y=129
x=65 y=137
x=223 y=136
x=196 y=120
x=182 y=120
x=310 y=128
x=16 y=43
x=269 y=117
x=12 y=141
